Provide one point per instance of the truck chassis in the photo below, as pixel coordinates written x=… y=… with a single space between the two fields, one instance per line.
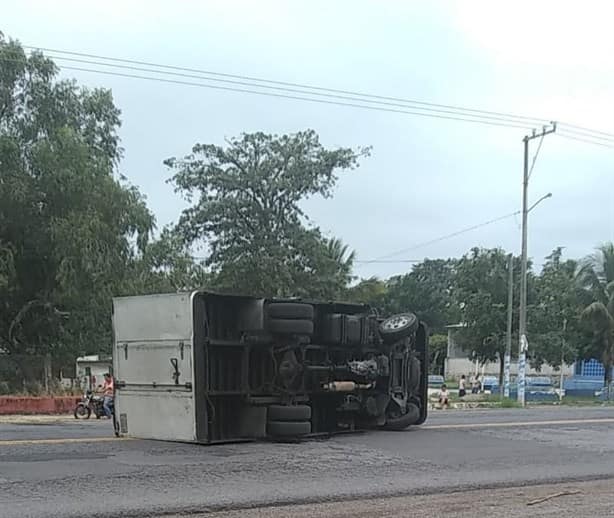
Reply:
x=207 y=367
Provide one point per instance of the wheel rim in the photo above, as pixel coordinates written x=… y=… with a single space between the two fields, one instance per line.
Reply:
x=81 y=411
x=394 y=323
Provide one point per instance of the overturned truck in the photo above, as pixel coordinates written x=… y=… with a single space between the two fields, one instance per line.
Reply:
x=207 y=367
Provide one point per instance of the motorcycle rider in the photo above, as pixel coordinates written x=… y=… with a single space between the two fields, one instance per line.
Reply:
x=108 y=391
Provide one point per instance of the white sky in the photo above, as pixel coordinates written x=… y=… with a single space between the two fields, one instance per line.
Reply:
x=426 y=177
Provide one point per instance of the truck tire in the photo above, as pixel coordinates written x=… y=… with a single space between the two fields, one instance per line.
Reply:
x=286 y=413
x=290 y=310
x=398 y=326
x=284 y=326
x=288 y=428
x=397 y=424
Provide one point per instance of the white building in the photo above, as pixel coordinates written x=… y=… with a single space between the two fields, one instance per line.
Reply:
x=90 y=370
x=457 y=362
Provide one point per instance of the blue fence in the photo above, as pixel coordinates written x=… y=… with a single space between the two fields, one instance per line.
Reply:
x=589 y=369
x=587 y=379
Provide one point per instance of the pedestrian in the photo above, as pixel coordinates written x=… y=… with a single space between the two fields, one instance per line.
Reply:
x=108 y=392
x=462 y=386
x=444 y=396
x=475 y=384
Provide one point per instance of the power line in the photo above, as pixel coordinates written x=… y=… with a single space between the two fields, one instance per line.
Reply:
x=385 y=261
x=356 y=96
x=588 y=129
x=283 y=89
x=570 y=137
x=443 y=238
x=588 y=135
x=283 y=96
x=532 y=120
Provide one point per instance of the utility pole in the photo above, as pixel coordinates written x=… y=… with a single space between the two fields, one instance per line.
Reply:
x=522 y=325
x=508 y=337
x=561 y=382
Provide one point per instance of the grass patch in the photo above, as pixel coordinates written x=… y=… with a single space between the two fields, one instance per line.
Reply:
x=584 y=401
x=509 y=403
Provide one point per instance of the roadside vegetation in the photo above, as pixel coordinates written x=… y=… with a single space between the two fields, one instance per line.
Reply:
x=74 y=232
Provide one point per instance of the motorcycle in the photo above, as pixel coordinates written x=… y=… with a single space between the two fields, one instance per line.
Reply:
x=90 y=403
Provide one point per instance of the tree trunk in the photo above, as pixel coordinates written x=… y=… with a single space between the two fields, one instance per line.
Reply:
x=606 y=360
x=47 y=373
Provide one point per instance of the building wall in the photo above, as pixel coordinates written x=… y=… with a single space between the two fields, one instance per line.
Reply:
x=98 y=369
x=457 y=363
x=455 y=367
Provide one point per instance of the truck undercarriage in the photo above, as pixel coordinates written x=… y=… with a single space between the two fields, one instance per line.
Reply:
x=281 y=369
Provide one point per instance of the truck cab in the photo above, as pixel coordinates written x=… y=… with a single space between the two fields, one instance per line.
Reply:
x=209 y=367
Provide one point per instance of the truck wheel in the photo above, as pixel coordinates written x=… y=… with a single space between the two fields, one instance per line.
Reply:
x=290 y=310
x=288 y=428
x=284 y=326
x=289 y=413
x=399 y=423
x=398 y=326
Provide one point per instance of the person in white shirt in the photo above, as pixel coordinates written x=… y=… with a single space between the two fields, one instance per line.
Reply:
x=444 y=396
x=462 y=386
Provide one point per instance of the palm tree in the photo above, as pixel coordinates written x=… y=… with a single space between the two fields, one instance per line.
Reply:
x=342 y=258
x=597 y=276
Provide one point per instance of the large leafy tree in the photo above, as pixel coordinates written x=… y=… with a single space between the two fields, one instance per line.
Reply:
x=246 y=209
x=372 y=291
x=597 y=277
x=554 y=320
x=167 y=265
x=427 y=291
x=69 y=224
x=481 y=292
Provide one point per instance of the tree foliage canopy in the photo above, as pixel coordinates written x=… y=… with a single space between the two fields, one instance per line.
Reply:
x=246 y=209
x=597 y=277
x=68 y=226
x=481 y=292
x=74 y=233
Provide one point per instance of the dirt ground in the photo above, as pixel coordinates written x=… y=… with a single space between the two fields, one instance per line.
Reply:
x=582 y=499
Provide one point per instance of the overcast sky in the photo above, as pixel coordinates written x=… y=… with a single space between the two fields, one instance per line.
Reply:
x=425 y=177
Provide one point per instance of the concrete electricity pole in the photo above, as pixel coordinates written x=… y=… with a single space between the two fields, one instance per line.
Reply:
x=522 y=324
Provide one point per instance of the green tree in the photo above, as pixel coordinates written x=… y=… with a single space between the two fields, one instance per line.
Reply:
x=597 y=277
x=68 y=225
x=438 y=348
x=554 y=320
x=246 y=209
x=372 y=291
x=481 y=291
x=427 y=291
x=167 y=265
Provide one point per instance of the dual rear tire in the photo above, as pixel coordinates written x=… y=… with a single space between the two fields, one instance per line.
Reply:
x=288 y=421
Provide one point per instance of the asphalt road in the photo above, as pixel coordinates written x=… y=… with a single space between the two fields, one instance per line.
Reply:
x=71 y=468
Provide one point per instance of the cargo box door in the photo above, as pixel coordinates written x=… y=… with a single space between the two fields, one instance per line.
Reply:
x=153 y=366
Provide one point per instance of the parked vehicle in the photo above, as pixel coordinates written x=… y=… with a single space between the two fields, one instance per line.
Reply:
x=205 y=367
x=537 y=388
x=606 y=393
x=90 y=403
x=490 y=384
x=583 y=387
